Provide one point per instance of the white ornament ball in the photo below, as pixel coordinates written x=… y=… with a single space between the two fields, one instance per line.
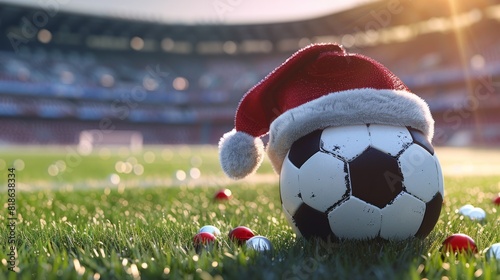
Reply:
x=493 y=252
x=476 y=214
x=210 y=229
x=259 y=243
x=464 y=210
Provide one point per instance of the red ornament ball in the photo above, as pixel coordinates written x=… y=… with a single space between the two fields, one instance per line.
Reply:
x=203 y=239
x=459 y=243
x=241 y=234
x=223 y=194
x=496 y=201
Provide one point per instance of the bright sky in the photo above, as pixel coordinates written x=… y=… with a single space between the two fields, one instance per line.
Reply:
x=201 y=11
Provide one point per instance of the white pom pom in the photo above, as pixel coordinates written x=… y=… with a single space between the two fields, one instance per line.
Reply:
x=240 y=154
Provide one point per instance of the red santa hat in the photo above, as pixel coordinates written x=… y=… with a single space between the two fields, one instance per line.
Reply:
x=317 y=87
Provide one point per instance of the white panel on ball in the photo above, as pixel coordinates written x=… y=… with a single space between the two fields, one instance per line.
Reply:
x=289 y=186
x=322 y=181
x=440 y=176
x=291 y=222
x=355 y=219
x=420 y=172
x=346 y=141
x=402 y=218
x=389 y=139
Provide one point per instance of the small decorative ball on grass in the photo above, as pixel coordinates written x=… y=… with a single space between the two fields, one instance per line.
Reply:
x=223 y=194
x=203 y=240
x=493 y=252
x=259 y=243
x=476 y=214
x=496 y=200
x=241 y=234
x=464 y=210
x=459 y=243
x=210 y=229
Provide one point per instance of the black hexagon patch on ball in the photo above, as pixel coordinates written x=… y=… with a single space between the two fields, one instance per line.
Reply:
x=375 y=177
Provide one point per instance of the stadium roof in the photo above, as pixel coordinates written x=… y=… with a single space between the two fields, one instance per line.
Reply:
x=394 y=20
x=198 y=11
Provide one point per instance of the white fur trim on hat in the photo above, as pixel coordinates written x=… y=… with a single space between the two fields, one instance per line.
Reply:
x=240 y=154
x=350 y=107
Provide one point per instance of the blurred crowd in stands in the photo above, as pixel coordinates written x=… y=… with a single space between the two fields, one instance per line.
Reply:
x=49 y=95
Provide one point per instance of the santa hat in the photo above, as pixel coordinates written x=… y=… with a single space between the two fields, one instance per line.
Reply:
x=317 y=87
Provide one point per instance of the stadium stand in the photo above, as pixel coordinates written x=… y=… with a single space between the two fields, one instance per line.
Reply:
x=62 y=73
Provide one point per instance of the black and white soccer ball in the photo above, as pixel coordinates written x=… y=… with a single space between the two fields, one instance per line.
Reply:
x=362 y=182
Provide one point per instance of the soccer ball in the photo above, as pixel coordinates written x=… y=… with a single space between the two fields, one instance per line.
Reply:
x=362 y=182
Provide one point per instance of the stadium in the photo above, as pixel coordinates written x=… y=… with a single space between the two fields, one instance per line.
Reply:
x=182 y=83
x=77 y=87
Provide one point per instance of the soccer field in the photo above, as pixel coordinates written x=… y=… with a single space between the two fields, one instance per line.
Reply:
x=113 y=214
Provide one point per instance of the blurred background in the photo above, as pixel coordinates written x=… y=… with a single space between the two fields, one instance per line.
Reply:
x=160 y=72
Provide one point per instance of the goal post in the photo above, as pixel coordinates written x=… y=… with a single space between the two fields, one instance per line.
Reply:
x=90 y=139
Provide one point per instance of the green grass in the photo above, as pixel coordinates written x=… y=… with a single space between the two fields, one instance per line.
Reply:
x=101 y=230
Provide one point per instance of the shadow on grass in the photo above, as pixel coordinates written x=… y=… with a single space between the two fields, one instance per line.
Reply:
x=318 y=259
